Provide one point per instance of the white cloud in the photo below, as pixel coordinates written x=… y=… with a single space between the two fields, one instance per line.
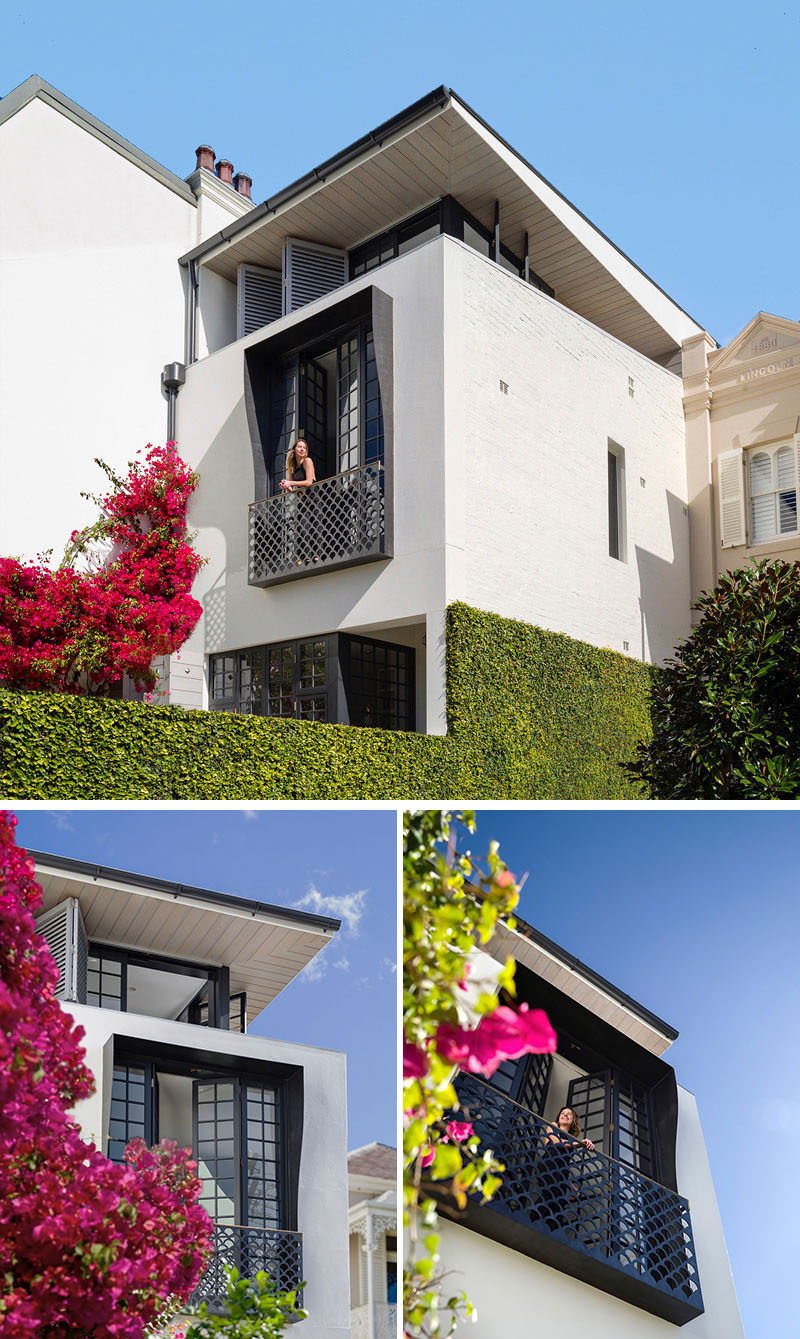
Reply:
x=347 y=907
x=249 y=815
x=314 y=970
x=342 y=964
x=390 y=963
x=61 y=821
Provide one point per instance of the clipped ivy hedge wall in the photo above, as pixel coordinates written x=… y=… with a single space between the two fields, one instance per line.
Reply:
x=532 y=715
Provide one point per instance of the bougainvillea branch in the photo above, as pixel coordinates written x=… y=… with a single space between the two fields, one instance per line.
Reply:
x=67 y=630
x=88 y=1249
x=451 y=1020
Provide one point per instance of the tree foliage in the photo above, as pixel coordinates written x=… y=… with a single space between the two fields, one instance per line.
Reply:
x=88 y=1249
x=726 y=710
x=80 y=631
x=451 y=1019
x=254 y=1309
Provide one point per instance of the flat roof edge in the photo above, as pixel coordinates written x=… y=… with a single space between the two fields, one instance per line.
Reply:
x=569 y=960
x=222 y=900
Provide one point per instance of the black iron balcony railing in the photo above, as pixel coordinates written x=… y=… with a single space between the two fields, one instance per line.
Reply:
x=251 y=1249
x=582 y=1212
x=338 y=522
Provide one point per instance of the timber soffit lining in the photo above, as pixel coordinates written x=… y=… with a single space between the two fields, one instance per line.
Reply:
x=546 y=959
x=34 y=87
x=264 y=946
x=440 y=146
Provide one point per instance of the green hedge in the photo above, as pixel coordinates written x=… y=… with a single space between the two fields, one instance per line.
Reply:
x=532 y=715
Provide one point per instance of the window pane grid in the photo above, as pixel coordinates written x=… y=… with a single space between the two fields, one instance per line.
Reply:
x=104 y=982
x=128 y=1090
x=380 y=685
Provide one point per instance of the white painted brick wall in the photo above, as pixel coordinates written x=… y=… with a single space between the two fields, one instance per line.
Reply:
x=527 y=472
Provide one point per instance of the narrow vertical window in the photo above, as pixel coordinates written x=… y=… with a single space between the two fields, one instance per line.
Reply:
x=616 y=502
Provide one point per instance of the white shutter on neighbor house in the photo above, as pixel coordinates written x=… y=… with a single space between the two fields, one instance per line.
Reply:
x=258 y=298
x=310 y=271
x=63 y=929
x=731 y=499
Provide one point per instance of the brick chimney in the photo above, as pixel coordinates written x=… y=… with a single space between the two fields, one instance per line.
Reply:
x=243 y=182
x=205 y=157
x=225 y=171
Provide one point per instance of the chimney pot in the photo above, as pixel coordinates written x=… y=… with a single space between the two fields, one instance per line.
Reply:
x=205 y=157
x=225 y=171
x=243 y=182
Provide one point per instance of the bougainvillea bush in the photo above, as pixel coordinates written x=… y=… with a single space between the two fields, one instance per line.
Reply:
x=88 y=1249
x=451 y=1020
x=68 y=630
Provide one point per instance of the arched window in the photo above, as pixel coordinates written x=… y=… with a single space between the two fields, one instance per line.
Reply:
x=772 y=488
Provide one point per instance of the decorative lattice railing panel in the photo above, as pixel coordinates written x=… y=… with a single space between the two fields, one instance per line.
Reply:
x=597 y=1206
x=251 y=1249
x=337 y=522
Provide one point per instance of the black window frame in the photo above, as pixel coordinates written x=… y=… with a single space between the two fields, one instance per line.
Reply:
x=292 y=364
x=241 y=1082
x=451 y=217
x=338 y=683
x=216 y=982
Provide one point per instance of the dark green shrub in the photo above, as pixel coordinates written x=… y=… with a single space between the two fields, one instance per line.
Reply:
x=726 y=710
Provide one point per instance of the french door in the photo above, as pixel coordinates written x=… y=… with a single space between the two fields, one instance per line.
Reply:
x=237 y=1145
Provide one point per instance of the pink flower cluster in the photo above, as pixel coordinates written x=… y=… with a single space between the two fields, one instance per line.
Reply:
x=66 y=631
x=505 y=1034
x=86 y=1247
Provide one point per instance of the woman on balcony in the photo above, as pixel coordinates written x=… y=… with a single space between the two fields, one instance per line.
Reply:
x=300 y=475
x=299 y=468
x=555 y=1181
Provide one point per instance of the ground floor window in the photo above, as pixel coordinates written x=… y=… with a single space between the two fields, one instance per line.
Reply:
x=341 y=677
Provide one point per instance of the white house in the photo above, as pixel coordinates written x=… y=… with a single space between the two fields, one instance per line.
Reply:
x=623 y=1242
x=164 y=979
x=372 y=1216
x=491 y=391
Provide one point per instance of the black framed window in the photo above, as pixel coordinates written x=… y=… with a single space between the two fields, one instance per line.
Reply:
x=340 y=677
x=238 y=1012
x=238 y=1145
x=105 y=980
x=131 y=1108
x=261 y=1161
x=378 y=682
x=328 y=393
x=215 y=1147
x=129 y=980
x=446 y=216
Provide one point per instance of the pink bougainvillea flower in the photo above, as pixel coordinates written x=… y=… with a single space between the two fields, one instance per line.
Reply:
x=426 y=1157
x=87 y=1247
x=462 y=984
x=415 y=1063
x=458 y=1131
x=502 y=1035
x=505 y=879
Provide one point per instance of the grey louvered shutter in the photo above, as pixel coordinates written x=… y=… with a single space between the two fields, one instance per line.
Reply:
x=310 y=271
x=63 y=930
x=258 y=298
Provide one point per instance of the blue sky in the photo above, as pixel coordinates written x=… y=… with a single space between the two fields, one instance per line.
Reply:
x=696 y=915
x=340 y=863
x=672 y=127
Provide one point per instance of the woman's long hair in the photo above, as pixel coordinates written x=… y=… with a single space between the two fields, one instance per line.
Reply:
x=291 y=459
x=575 y=1127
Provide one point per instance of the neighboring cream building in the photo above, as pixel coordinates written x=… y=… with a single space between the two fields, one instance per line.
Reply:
x=742 y=406
x=164 y=978
x=372 y=1215
x=624 y=1242
x=490 y=387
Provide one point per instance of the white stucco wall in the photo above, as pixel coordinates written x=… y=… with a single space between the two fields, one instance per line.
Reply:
x=402 y=599
x=515 y=1295
x=527 y=504
x=322 y=1197
x=91 y=308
